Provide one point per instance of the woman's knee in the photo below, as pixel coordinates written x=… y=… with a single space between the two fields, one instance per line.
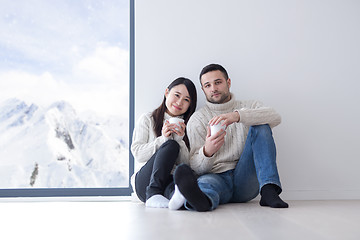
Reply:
x=171 y=145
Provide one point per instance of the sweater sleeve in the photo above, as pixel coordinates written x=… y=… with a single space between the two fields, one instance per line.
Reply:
x=196 y=131
x=254 y=113
x=143 y=147
x=183 y=154
x=184 y=151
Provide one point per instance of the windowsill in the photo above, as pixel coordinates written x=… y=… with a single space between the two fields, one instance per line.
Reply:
x=71 y=199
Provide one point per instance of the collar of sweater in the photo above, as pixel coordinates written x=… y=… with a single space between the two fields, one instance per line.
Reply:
x=167 y=116
x=222 y=107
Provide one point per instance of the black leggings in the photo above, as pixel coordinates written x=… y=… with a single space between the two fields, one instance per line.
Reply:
x=155 y=176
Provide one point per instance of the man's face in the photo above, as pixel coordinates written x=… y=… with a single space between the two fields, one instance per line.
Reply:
x=216 y=87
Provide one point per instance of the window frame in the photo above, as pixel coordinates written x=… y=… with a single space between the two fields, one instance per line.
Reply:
x=81 y=192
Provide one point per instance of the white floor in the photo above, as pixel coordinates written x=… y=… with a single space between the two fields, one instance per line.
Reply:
x=131 y=220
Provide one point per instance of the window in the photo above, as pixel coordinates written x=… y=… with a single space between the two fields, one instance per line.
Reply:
x=66 y=97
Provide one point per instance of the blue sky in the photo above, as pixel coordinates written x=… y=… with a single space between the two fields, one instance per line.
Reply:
x=79 y=47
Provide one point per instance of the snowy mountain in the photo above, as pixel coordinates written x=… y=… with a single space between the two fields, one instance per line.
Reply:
x=55 y=147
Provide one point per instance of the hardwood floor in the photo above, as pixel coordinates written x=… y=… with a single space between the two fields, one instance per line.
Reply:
x=119 y=219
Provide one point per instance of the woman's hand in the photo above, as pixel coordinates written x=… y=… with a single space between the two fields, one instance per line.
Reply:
x=179 y=130
x=167 y=129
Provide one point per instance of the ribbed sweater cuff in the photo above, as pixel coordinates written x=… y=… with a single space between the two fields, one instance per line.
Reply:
x=242 y=115
x=207 y=161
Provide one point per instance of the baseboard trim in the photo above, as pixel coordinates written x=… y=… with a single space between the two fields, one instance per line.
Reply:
x=321 y=194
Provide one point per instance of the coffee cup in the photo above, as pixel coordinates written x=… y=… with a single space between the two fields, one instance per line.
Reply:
x=215 y=128
x=176 y=120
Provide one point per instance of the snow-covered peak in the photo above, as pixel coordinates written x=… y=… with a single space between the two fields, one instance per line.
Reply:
x=11 y=107
x=63 y=106
x=14 y=112
x=55 y=147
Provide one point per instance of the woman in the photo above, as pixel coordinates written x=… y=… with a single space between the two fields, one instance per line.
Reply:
x=161 y=145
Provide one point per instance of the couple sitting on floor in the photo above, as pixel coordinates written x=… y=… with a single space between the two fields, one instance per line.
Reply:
x=198 y=168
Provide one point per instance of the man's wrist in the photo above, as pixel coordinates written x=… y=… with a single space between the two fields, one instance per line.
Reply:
x=237 y=115
x=206 y=154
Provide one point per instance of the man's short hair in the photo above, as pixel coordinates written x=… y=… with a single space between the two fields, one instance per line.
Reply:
x=214 y=67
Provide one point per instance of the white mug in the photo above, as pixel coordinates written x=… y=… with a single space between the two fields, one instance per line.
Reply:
x=215 y=128
x=176 y=120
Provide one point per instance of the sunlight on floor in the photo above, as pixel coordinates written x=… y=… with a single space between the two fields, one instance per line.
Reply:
x=131 y=220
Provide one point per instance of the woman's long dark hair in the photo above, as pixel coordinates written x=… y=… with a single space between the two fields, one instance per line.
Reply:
x=158 y=114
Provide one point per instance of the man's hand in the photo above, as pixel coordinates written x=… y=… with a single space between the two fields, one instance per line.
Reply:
x=213 y=143
x=227 y=118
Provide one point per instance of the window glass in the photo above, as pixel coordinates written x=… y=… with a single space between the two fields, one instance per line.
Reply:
x=64 y=94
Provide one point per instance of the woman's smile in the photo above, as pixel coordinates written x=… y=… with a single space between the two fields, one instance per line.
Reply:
x=177 y=108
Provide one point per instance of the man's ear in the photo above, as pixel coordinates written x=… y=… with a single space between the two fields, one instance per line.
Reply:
x=228 y=82
x=202 y=88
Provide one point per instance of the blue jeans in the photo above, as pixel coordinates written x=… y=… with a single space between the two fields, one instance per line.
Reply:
x=255 y=168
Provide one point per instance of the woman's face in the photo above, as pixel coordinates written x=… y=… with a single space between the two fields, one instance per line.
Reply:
x=177 y=100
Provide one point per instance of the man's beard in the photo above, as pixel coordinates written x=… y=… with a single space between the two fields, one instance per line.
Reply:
x=222 y=99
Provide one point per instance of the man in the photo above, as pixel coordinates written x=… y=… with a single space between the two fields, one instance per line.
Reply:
x=235 y=164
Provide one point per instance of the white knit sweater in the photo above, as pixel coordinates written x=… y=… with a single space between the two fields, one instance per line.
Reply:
x=145 y=142
x=251 y=113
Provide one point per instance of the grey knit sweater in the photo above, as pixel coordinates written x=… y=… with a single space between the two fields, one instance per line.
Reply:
x=251 y=113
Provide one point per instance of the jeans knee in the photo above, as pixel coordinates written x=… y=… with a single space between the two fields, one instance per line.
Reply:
x=214 y=182
x=261 y=129
x=216 y=189
x=171 y=145
x=210 y=178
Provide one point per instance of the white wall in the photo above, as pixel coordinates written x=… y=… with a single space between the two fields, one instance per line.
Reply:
x=301 y=57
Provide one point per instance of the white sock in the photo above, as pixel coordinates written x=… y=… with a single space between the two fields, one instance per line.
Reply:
x=157 y=201
x=177 y=200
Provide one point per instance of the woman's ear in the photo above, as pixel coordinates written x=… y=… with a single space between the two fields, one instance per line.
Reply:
x=166 y=92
